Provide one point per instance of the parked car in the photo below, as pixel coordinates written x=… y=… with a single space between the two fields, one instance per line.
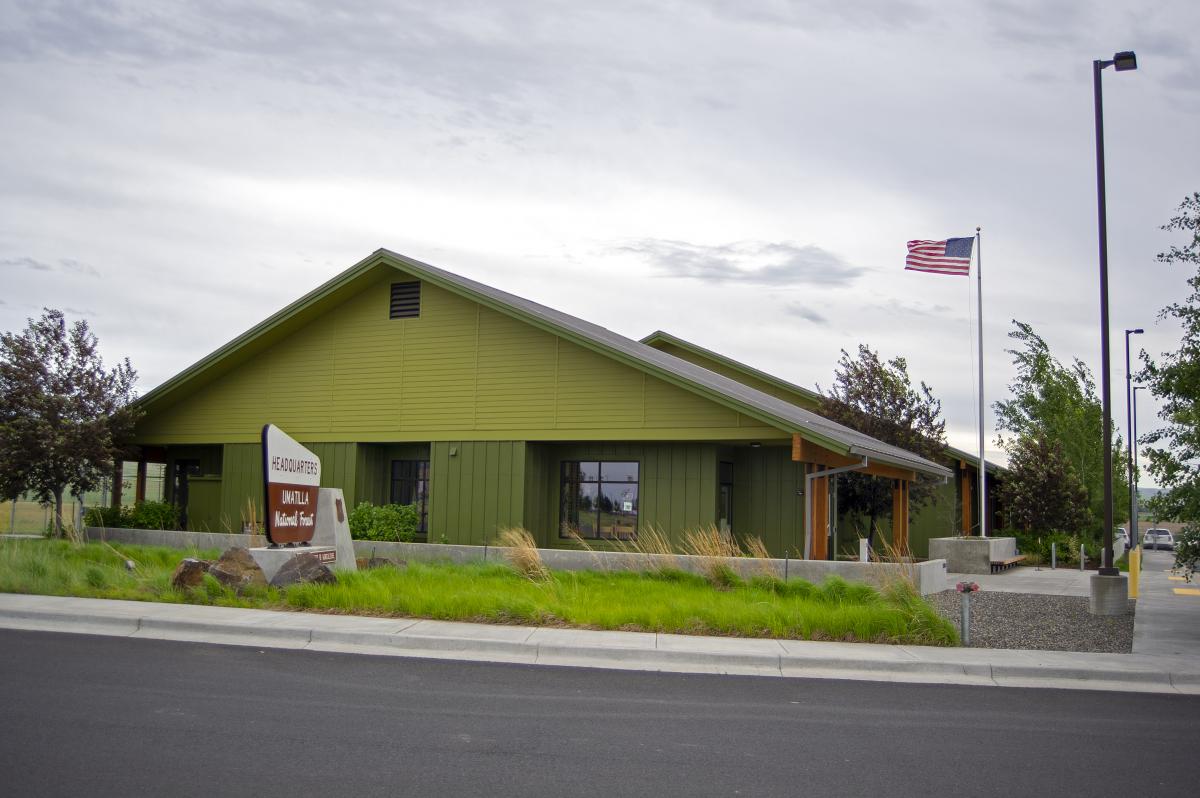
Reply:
x=1121 y=540
x=1159 y=539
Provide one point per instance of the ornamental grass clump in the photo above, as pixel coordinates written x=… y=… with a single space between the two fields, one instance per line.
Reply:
x=713 y=547
x=522 y=552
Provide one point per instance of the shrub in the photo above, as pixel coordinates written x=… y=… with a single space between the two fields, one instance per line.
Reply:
x=143 y=515
x=153 y=515
x=104 y=516
x=394 y=522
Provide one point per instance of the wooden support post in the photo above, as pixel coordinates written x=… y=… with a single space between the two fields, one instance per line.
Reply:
x=820 y=521
x=139 y=490
x=964 y=481
x=900 y=514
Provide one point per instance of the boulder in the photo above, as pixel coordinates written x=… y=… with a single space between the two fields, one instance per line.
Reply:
x=304 y=568
x=238 y=570
x=190 y=573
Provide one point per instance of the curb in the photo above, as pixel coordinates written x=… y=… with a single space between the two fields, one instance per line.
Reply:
x=267 y=629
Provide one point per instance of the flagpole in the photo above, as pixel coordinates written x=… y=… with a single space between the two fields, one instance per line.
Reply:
x=979 y=317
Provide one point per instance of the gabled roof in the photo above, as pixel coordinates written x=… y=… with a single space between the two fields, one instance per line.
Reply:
x=660 y=336
x=778 y=413
x=663 y=337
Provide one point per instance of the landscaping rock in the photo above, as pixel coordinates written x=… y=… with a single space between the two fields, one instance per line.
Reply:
x=238 y=570
x=304 y=568
x=190 y=573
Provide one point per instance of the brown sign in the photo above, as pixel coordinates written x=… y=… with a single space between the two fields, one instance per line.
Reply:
x=293 y=512
x=291 y=481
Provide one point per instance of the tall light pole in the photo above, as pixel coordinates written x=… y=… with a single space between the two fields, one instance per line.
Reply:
x=1121 y=61
x=1132 y=439
x=1133 y=523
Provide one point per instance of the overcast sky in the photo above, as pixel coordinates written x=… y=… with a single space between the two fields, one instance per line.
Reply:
x=741 y=174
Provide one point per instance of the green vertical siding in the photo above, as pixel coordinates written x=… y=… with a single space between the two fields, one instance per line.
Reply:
x=475 y=489
x=204 y=504
x=767 y=500
x=242 y=487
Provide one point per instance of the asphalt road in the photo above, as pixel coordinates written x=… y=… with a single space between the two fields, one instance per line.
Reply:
x=100 y=716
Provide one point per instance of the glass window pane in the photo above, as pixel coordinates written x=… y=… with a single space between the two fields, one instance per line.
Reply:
x=726 y=474
x=619 y=472
x=618 y=506
x=578 y=513
x=589 y=471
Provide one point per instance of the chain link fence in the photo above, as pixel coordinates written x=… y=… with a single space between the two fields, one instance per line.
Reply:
x=27 y=516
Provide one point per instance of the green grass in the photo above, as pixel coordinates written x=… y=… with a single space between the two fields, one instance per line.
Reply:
x=672 y=601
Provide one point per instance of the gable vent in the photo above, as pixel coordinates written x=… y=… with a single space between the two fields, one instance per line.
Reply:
x=406 y=301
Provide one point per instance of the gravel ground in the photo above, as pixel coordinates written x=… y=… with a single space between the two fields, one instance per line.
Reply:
x=1035 y=621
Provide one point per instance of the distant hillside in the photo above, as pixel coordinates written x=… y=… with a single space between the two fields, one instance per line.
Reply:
x=1148 y=493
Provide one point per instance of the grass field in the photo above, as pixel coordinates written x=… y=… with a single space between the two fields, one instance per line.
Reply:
x=670 y=601
x=30 y=518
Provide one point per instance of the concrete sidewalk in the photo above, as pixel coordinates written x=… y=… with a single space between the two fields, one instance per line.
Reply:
x=1031 y=579
x=407 y=637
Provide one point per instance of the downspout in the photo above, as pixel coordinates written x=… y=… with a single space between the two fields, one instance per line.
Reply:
x=808 y=478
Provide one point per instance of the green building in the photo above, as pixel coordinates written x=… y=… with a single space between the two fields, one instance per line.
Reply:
x=416 y=385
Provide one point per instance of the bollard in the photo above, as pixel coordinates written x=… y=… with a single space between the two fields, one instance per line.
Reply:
x=965 y=621
x=1053 y=556
x=965 y=589
x=1135 y=571
x=864 y=554
x=1082 y=557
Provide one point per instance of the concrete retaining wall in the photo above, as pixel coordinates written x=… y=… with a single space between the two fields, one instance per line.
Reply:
x=928 y=577
x=174 y=538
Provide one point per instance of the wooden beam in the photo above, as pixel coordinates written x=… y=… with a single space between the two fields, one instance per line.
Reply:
x=118 y=478
x=820 y=522
x=900 y=514
x=889 y=472
x=139 y=487
x=964 y=482
x=808 y=452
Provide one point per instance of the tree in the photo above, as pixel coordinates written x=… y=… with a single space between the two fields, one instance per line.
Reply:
x=1054 y=402
x=1041 y=489
x=1174 y=458
x=63 y=416
x=878 y=399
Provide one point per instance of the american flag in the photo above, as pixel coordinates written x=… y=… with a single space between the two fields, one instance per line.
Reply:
x=951 y=256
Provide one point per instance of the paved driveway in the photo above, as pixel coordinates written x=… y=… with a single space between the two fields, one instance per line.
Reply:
x=1168 y=609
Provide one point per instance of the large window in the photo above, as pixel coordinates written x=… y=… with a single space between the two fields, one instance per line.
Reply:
x=599 y=500
x=410 y=485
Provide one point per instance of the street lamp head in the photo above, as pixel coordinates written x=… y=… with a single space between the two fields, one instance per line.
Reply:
x=1138 y=331
x=1124 y=61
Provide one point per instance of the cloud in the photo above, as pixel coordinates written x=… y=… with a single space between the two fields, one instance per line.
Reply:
x=907 y=309
x=27 y=263
x=64 y=265
x=758 y=262
x=802 y=312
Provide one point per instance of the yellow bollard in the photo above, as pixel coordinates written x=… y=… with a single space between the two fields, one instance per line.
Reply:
x=1135 y=570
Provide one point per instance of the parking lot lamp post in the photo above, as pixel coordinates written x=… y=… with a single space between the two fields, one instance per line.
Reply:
x=1129 y=430
x=1122 y=61
x=1133 y=522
